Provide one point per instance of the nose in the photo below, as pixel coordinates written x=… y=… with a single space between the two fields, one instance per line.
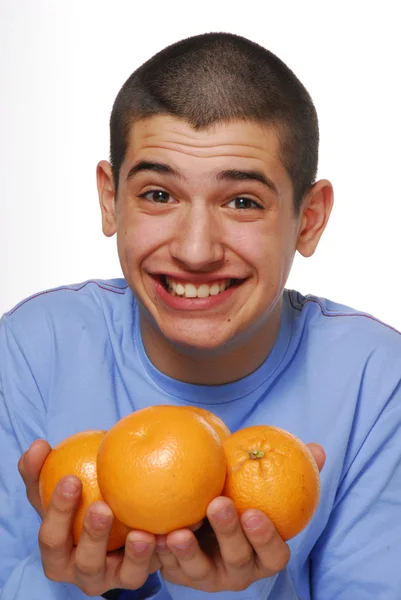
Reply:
x=197 y=240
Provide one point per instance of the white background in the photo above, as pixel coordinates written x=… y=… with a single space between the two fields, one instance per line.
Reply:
x=62 y=64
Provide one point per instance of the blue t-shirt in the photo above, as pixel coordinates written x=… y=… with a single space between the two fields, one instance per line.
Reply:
x=72 y=359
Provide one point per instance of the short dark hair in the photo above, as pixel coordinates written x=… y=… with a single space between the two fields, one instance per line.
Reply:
x=217 y=78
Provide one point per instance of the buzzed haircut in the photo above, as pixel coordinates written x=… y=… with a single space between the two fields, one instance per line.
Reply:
x=216 y=78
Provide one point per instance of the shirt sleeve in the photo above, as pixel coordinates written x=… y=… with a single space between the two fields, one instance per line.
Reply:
x=358 y=555
x=22 y=420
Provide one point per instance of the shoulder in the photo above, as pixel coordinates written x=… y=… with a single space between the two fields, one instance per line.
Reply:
x=61 y=326
x=343 y=323
x=59 y=312
x=352 y=351
x=67 y=301
x=75 y=294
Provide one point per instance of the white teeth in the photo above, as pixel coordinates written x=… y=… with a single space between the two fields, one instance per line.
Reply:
x=203 y=290
x=189 y=290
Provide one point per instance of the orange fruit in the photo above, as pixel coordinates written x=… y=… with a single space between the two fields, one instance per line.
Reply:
x=76 y=455
x=273 y=471
x=159 y=468
x=213 y=420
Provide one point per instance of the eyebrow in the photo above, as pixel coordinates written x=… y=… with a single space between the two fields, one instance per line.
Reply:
x=227 y=175
x=236 y=175
x=155 y=167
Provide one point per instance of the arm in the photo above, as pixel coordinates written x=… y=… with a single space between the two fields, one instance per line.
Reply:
x=19 y=523
x=21 y=571
x=22 y=420
x=358 y=555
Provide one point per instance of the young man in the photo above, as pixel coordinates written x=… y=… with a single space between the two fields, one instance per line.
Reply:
x=211 y=190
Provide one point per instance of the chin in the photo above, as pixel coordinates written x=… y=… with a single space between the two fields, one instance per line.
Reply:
x=193 y=340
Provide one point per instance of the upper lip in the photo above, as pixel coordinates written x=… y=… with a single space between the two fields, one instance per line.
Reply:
x=197 y=278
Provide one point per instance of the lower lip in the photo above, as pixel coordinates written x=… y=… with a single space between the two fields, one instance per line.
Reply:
x=183 y=303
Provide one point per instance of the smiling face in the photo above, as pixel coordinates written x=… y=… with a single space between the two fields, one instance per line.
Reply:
x=206 y=233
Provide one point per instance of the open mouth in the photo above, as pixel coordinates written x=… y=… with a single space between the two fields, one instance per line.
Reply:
x=191 y=290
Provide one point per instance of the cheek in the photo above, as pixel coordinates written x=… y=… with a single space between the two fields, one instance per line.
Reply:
x=269 y=252
x=138 y=238
x=255 y=246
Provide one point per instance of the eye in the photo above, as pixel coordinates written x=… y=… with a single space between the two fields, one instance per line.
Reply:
x=158 y=196
x=244 y=203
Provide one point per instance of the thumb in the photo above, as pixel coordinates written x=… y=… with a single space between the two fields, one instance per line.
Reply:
x=29 y=466
x=318 y=454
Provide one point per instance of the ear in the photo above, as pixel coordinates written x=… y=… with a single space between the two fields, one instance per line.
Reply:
x=105 y=189
x=314 y=215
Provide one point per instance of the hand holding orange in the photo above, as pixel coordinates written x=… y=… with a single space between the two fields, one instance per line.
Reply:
x=77 y=455
x=159 y=468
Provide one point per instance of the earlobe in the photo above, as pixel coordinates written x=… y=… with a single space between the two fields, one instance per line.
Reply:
x=105 y=188
x=314 y=215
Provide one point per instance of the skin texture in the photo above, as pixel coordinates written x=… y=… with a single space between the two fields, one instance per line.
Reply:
x=200 y=234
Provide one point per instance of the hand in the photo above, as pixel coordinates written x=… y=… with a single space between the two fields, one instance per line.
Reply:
x=87 y=565
x=229 y=553
x=29 y=467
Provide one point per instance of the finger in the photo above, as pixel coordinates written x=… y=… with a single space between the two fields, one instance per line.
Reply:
x=236 y=551
x=90 y=555
x=168 y=560
x=194 y=563
x=55 y=538
x=29 y=466
x=139 y=553
x=271 y=552
x=155 y=563
x=318 y=454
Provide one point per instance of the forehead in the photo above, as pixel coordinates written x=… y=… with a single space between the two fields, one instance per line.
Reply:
x=174 y=140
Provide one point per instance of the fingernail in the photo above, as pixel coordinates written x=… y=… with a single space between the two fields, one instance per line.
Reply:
x=100 y=518
x=70 y=487
x=252 y=522
x=140 y=547
x=225 y=514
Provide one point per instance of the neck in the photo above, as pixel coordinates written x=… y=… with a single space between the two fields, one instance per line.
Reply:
x=192 y=365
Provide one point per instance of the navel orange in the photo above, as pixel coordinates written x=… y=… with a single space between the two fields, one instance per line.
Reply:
x=159 y=468
x=273 y=471
x=213 y=420
x=76 y=455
